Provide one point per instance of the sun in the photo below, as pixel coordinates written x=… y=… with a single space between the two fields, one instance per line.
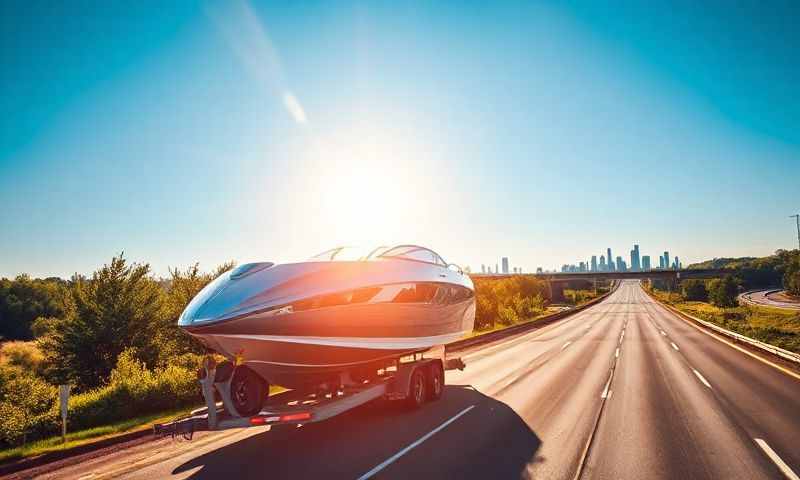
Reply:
x=369 y=186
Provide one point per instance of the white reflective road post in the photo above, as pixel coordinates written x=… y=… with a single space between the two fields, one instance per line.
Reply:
x=63 y=400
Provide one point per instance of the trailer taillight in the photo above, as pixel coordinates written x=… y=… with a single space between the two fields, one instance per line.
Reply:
x=296 y=417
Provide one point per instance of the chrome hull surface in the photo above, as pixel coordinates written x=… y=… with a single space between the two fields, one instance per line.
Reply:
x=296 y=324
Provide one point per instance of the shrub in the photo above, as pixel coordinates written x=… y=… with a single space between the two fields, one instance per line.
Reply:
x=25 y=355
x=25 y=398
x=722 y=292
x=508 y=301
x=694 y=290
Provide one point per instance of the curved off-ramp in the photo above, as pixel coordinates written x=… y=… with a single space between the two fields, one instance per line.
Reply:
x=772 y=297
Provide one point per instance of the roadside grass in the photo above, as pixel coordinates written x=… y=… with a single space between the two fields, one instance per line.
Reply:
x=82 y=437
x=96 y=434
x=776 y=326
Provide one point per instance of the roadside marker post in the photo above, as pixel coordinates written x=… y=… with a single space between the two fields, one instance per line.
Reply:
x=63 y=401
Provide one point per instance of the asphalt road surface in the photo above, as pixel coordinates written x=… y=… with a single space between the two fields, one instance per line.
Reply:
x=624 y=389
x=769 y=298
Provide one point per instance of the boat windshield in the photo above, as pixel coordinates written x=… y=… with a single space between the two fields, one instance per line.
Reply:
x=413 y=252
x=345 y=254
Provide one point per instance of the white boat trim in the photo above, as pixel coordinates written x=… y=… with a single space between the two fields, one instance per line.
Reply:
x=372 y=343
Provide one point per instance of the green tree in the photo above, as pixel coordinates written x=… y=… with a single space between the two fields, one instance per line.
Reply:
x=791 y=277
x=23 y=300
x=694 y=290
x=722 y=292
x=121 y=306
x=181 y=288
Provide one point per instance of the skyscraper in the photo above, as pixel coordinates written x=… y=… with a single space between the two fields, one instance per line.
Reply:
x=594 y=263
x=610 y=260
x=505 y=264
x=635 y=265
x=646 y=263
x=666 y=260
x=620 y=264
x=483 y=268
x=602 y=263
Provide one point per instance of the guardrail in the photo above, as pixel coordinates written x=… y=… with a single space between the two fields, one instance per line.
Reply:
x=780 y=352
x=523 y=327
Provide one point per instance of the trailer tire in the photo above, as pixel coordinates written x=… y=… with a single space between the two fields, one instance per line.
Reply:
x=416 y=389
x=248 y=391
x=435 y=381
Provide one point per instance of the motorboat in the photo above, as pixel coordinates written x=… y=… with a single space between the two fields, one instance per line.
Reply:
x=297 y=324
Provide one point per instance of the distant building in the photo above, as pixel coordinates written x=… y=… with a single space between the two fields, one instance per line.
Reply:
x=504 y=261
x=661 y=262
x=538 y=269
x=594 y=263
x=635 y=265
x=602 y=263
x=666 y=260
x=483 y=268
x=582 y=267
x=646 y=263
x=496 y=270
x=621 y=267
x=610 y=260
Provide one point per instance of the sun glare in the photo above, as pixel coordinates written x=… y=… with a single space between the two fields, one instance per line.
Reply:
x=368 y=186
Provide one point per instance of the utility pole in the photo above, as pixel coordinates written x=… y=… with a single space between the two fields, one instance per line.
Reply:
x=797 y=221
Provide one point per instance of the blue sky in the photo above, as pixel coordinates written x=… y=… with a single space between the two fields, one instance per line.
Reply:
x=207 y=132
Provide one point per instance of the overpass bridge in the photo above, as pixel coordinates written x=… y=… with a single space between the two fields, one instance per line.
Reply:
x=558 y=281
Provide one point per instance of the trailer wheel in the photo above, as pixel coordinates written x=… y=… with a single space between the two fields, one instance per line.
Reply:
x=248 y=391
x=416 y=389
x=435 y=382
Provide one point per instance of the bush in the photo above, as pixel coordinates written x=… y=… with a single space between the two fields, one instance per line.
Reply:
x=25 y=398
x=508 y=301
x=25 y=355
x=694 y=290
x=133 y=390
x=722 y=292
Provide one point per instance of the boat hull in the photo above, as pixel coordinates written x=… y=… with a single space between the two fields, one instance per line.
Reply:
x=299 y=324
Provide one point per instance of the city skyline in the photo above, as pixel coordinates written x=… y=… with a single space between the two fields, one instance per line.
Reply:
x=636 y=262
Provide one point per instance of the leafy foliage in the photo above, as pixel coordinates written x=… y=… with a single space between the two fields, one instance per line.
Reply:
x=23 y=300
x=781 y=268
x=694 y=290
x=722 y=292
x=120 y=307
x=509 y=300
x=24 y=397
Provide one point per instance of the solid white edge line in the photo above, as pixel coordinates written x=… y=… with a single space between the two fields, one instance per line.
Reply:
x=776 y=459
x=566 y=345
x=702 y=378
x=402 y=452
x=721 y=339
x=674 y=346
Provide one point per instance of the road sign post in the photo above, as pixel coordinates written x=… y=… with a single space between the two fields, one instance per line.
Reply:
x=63 y=401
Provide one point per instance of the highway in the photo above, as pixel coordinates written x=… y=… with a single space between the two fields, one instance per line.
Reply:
x=771 y=298
x=624 y=389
